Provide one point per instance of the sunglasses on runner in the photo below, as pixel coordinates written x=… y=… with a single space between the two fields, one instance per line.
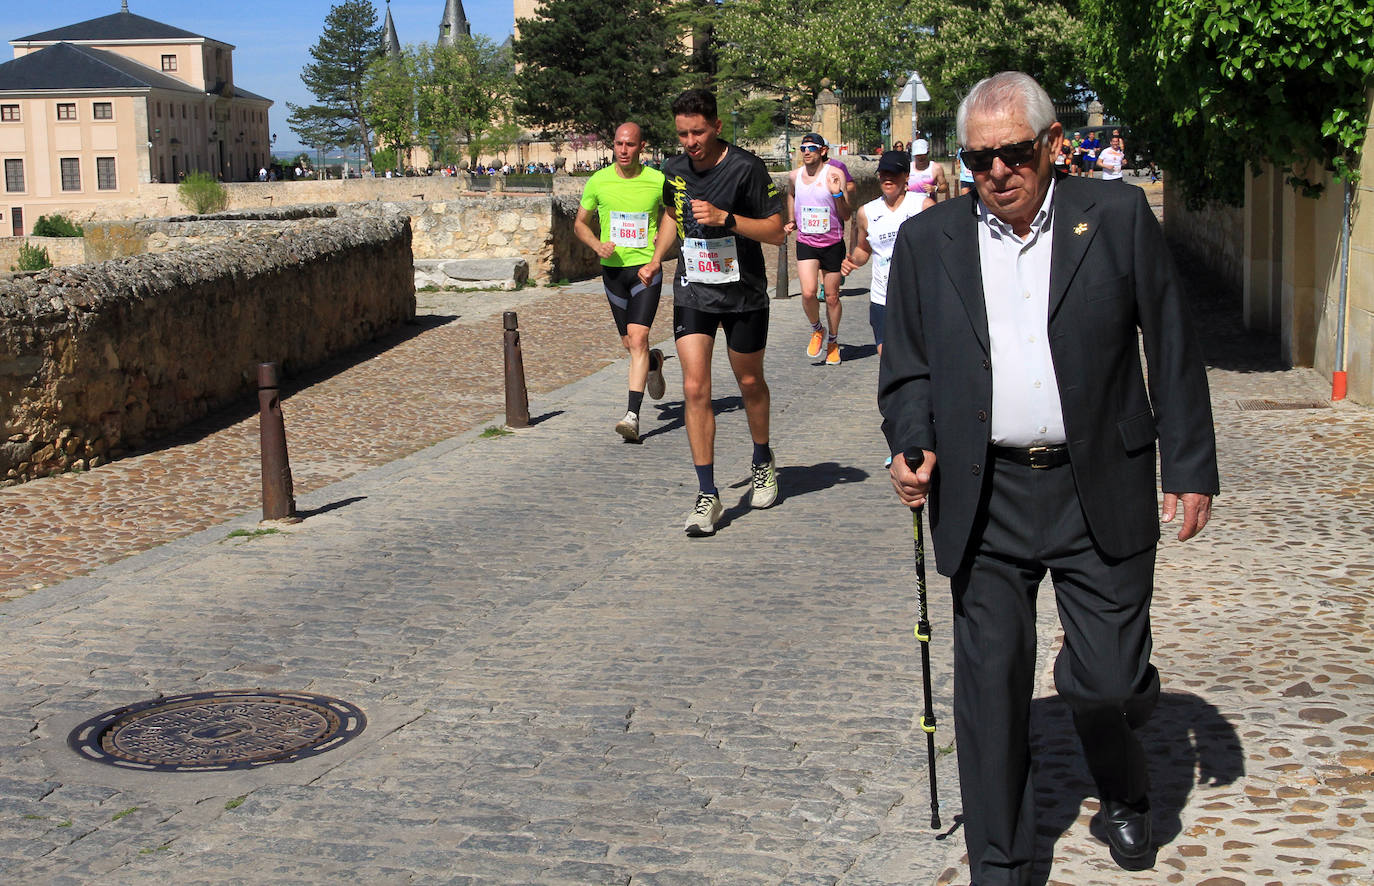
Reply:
x=1018 y=154
x=810 y=148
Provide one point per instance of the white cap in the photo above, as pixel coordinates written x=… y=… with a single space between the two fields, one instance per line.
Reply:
x=920 y=146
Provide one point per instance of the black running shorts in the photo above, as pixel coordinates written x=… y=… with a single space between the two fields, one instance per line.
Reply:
x=631 y=301
x=830 y=257
x=746 y=332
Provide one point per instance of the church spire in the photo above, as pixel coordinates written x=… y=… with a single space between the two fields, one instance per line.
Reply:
x=453 y=24
x=390 y=42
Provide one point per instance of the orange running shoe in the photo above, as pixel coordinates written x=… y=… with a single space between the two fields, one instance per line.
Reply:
x=814 y=348
x=832 y=354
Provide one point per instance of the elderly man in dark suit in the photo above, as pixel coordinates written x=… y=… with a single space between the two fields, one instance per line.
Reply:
x=1015 y=316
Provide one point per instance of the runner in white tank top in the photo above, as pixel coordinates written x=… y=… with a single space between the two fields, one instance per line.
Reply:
x=876 y=232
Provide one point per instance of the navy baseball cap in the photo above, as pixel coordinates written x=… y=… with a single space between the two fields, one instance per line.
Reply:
x=894 y=161
x=814 y=138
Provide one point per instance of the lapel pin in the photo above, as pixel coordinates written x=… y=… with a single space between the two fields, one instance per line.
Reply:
x=1080 y=229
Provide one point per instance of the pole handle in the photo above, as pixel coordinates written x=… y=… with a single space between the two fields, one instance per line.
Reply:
x=914 y=456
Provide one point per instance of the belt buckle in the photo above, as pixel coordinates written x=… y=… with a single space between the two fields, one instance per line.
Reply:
x=1040 y=456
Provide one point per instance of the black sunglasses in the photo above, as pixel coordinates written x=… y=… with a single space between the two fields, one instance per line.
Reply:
x=1018 y=154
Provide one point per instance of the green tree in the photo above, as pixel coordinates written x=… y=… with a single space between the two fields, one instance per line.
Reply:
x=791 y=45
x=588 y=67
x=788 y=45
x=317 y=128
x=350 y=43
x=390 y=92
x=967 y=40
x=1211 y=86
x=384 y=159
x=463 y=91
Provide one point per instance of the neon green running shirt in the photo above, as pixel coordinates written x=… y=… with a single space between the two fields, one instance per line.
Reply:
x=628 y=210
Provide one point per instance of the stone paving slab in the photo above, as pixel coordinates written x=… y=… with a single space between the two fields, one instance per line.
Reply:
x=563 y=689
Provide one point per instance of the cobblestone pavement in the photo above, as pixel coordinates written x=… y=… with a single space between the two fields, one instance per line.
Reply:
x=561 y=688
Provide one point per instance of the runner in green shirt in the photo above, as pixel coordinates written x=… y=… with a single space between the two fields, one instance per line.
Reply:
x=627 y=198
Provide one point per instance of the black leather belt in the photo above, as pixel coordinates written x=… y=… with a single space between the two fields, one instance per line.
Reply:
x=1035 y=456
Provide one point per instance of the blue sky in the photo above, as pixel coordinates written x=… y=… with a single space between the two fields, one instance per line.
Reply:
x=268 y=54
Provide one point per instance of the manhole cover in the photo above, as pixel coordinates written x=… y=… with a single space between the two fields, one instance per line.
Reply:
x=212 y=731
x=1261 y=405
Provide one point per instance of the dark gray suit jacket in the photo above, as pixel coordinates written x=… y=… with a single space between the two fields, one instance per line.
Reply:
x=1110 y=275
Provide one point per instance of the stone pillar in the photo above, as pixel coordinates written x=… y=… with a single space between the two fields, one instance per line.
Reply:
x=899 y=123
x=1094 y=113
x=1260 y=299
x=1297 y=337
x=827 y=118
x=1359 y=324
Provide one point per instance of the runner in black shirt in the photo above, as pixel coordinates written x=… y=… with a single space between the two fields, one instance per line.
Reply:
x=725 y=205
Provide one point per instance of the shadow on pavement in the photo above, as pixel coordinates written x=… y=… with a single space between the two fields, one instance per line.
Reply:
x=670 y=413
x=794 y=480
x=1187 y=741
x=332 y=506
x=537 y=419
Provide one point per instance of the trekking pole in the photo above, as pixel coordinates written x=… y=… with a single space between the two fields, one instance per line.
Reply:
x=914 y=457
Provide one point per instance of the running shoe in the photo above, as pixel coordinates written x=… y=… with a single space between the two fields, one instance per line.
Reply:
x=813 y=349
x=765 y=484
x=628 y=427
x=656 y=387
x=702 y=520
x=832 y=354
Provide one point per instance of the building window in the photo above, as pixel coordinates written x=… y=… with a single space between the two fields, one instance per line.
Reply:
x=71 y=174
x=14 y=176
x=9 y=113
x=169 y=63
x=103 y=111
x=66 y=110
x=105 y=173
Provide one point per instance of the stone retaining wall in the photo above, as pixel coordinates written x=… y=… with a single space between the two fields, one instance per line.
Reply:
x=99 y=358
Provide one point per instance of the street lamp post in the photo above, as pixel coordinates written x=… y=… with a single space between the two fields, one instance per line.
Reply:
x=433 y=147
x=734 y=126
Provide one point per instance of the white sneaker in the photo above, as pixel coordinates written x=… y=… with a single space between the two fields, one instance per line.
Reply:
x=702 y=520
x=628 y=427
x=765 y=481
x=656 y=386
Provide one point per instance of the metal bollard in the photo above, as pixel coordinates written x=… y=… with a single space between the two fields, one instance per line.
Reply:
x=781 y=288
x=517 y=398
x=278 y=496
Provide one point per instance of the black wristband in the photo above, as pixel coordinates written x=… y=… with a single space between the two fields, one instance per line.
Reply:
x=729 y=220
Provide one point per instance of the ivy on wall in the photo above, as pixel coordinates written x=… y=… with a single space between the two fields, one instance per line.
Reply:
x=1214 y=85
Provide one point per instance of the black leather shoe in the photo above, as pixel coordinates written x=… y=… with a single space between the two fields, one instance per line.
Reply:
x=1127 y=832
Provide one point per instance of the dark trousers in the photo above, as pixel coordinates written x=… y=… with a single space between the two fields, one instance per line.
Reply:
x=1032 y=523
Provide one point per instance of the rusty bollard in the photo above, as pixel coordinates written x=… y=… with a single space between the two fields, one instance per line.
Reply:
x=517 y=398
x=278 y=497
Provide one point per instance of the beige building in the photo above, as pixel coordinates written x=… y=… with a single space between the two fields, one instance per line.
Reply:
x=93 y=111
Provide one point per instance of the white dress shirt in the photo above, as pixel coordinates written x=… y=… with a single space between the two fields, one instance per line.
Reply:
x=1016 y=292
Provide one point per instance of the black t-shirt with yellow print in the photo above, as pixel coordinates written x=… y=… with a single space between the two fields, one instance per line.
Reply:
x=739 y=184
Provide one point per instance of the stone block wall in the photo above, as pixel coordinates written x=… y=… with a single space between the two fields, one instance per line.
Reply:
x=61 y=250
x=1213 y=236
x=96 y=358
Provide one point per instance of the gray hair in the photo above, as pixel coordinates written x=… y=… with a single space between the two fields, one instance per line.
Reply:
x=1009 y=91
